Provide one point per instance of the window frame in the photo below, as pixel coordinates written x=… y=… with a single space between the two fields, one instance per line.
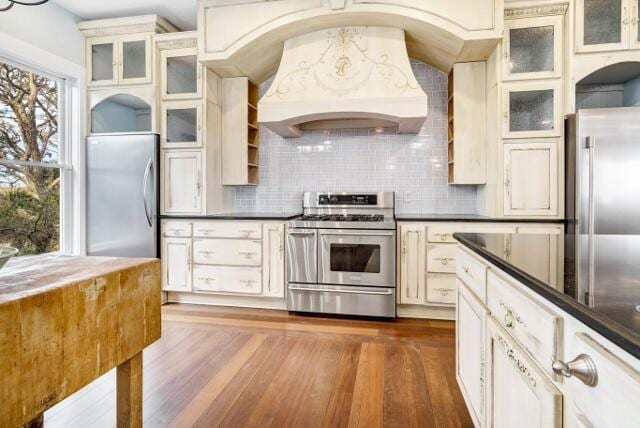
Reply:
x=70 y=162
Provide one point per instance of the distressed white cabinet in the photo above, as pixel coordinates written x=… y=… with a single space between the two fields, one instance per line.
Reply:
x=533 y=48
x=182 y=181
x=119 y=60
x=180 y=74
x=520 y=395
x=471 y=319
x=412 y=263
x=606 y=25
x=273 y=259
x=176 y=264
x=181 y=124
x=530 y=179
x=532 y=109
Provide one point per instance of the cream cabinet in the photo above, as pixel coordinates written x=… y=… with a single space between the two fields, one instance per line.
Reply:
x=181 y=124
x=273 y=260
x=176 y=264
x=119 y=60
x=533 y=48
x=428 y=260
x=213 y=258
x=532 y=109
x=531 y=179
x=471 y=319
x=519 y=393
x=180 y=74
x=412 y=263
x=182 y=181
x=606 y=25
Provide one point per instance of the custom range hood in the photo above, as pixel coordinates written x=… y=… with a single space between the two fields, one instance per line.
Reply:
x=346 y=77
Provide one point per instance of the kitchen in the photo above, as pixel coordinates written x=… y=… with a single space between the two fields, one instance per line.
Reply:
x=432 y=202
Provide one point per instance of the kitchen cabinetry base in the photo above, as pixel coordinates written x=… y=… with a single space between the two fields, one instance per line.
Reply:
x=435 y=312
x=198 y=298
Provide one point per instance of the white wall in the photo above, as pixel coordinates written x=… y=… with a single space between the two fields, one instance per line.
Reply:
x=48 y=27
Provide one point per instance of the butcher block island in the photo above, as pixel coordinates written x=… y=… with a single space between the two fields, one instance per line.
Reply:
x=66 y=320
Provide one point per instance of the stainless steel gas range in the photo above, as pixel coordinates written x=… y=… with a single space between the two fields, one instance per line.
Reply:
x=341 y=255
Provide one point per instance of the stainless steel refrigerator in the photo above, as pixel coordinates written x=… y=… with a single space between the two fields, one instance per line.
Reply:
x=122 y=195
x=603 y=208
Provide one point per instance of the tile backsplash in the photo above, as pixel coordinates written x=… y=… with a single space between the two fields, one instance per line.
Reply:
x=343 y=160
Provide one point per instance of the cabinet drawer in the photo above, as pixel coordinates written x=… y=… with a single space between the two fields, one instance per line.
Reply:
x=232 y=252
x=227 y=279
x=535 y=327
x=473 y=273
x=176 y=228
x=227 y=229
x=441 y=288
x=441 y=234
x=441 y=258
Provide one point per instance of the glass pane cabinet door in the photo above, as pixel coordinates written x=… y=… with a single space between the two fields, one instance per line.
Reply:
x=532 y=110
x=533 y=48
x=103 y=63
x=181 y=76
x=134 y=59
x=181 y=124
x=602 y=25
x=135 y=64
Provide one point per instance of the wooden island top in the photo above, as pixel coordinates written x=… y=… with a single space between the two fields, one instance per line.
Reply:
x=66 y=320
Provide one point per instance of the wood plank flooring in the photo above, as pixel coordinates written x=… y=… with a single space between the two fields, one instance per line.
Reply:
x=231 y=367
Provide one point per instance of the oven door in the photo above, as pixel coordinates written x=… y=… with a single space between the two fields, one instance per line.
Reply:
x=357 y=257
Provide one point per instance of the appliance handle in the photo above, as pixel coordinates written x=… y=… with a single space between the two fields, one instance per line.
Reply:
x=320 y=290
x=364 y=233
x=301 y=233
x=145 y=183
x=591 y=147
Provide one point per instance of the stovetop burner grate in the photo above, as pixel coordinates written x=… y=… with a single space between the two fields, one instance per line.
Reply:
x=343 y=217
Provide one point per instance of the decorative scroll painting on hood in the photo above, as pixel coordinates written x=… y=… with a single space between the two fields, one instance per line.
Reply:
x=346 y=77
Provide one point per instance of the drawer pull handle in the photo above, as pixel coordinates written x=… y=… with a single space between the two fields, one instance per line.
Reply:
x=204 y=232
x=246 y=232
x=467 y=271
x=443 y=236
x=248 y=254
x=207 y=280
x=443 y=291
x=206 y=253
x=445 y=260
x=176 y=231
x=248 y=282
x=582 y=367
x=510 y=316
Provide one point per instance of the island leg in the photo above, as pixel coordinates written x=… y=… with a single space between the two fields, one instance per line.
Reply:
x=129 y=393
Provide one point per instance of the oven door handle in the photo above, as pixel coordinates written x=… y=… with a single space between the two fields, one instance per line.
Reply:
x=364 y=233
x=319 y=290
x=301 y=233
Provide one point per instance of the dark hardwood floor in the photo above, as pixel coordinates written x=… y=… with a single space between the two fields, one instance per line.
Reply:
x=233 y=367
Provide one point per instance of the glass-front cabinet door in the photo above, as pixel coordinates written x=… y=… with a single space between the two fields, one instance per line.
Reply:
x=102 y=61
x=181 y=74
x=533 y=48
x=135 y=59
x=182 y=124
x=532 y=110
x=602 y=25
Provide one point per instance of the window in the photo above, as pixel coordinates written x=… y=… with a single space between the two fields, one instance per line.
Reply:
x=32 y=166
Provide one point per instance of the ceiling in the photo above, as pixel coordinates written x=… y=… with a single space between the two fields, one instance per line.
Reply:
x=181 y=13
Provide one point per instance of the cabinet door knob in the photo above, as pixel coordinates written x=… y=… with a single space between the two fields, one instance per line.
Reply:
x=582 y=367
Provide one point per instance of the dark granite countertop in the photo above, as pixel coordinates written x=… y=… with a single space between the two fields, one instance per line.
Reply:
x=237 y=216
x=469 y=217
x=611 y=307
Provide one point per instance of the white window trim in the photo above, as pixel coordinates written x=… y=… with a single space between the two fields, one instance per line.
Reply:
x=72 y=191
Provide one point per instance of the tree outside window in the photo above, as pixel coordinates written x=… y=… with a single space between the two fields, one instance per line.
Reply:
x=29 y=160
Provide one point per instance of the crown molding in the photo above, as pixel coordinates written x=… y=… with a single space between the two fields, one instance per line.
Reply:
x=527 y=10
x=127 y=25
x=185 y=39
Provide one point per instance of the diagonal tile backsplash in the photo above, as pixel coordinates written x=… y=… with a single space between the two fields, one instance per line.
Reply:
x=413 y=166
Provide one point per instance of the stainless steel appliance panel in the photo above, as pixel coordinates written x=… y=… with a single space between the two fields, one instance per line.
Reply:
x=302 y=251
x=343 y=300
x=122 y=197
x=356 y=257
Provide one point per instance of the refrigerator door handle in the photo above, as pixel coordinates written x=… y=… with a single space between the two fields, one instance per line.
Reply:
x=591 y=147
x=145 y=183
